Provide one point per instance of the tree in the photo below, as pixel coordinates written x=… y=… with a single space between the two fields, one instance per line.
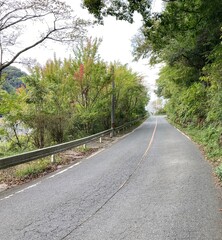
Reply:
x=186 y=30
x=122 y=10
x=52 y=20
x=92 y=79
x=65 y=100
x=187 y=38
x=12 y=107
x=11 y=78
x=131 y=95
x=213 y=77
x=50 y=93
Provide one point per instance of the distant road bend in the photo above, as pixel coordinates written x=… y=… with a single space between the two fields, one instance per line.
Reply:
x=153 y=184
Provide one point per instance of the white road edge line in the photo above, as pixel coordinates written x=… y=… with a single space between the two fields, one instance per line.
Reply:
x=20 y=191
x=183 y=134
x=36 y=184
x=62 y=171
x=94 y=154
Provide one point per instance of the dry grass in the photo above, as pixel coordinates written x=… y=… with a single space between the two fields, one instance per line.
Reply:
x=28 y=171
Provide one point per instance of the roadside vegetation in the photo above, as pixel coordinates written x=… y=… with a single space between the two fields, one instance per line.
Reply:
x=207 y=139
x=69 y=99
x=186 y=38
x=61 y=101
x=189 y=44
x=26 y=172
x=64 y=99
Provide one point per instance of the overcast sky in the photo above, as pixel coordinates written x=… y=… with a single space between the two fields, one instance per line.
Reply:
x=116 y=44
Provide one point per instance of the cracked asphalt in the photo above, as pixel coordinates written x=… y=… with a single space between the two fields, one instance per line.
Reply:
x=153 y=184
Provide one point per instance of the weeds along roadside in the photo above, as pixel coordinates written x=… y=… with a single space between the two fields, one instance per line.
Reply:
x=208 y=139
x=26 y=172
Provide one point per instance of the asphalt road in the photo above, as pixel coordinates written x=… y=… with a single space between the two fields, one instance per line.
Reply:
x=153 y=184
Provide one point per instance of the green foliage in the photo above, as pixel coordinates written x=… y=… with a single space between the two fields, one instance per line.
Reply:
x=92 y=81
x=122 y=10
x=69 y=99
x=161 y=111
x=11 y=79
x=32 y=169
x=50 y=92
x=185 y=31
x=188 y=107
x=130 y=94
x=213 y=77
x=186 y=36
x=12 y=107
x=94 y=6
x=208 y=137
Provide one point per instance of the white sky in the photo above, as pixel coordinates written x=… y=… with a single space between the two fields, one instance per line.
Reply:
x=116 y=44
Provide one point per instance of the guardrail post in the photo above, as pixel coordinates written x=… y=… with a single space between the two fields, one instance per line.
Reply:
x=53 y=158
x=100 y=140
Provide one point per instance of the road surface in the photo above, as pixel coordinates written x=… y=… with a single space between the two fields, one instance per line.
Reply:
x=153 y=184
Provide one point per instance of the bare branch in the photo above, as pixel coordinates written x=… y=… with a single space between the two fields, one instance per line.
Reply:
x=53 y=18
x=4 y=25
x=4 y=65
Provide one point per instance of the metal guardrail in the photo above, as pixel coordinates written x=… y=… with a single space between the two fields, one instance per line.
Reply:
x=44 y=152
